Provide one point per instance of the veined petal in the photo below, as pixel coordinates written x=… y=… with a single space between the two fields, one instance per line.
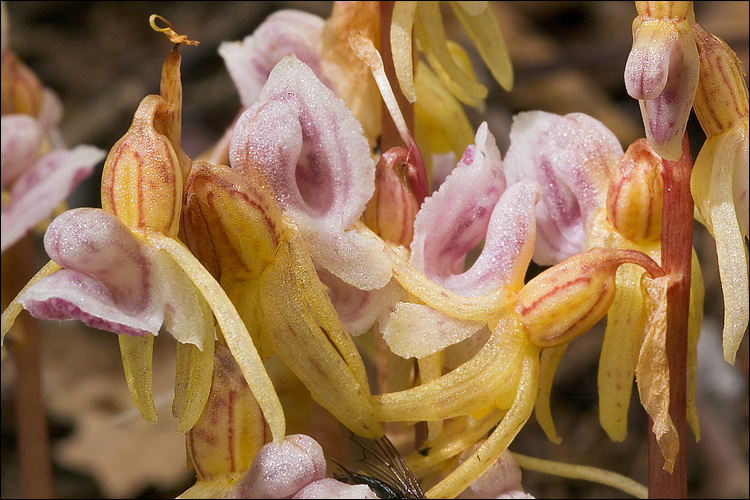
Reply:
x=302 y=142
x=724 y=157
x=662 y=73
x=41 y=189
x=454 y=219
x=95 y=243
x=284 y=32
x=570 y=157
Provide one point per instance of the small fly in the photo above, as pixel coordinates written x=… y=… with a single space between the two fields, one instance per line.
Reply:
x=383 y=470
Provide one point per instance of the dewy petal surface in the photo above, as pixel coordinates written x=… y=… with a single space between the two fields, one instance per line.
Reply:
x=42 y=188
x=112 y=280
x=284 y=32
x=570 y=157
x=302 y=142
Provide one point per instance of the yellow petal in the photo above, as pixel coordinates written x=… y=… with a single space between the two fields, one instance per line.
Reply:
x=695 y=321
x=489 y=379
x=234 y=331
x=431 y=35
x=501 y=437
x=616 y=363
x=402 y=24
x=193 y=380
x=548 y=361
x=306 y=349
x=484 y=31
x=137 y=361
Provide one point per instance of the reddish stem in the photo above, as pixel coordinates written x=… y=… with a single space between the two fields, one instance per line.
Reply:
x=676 y=256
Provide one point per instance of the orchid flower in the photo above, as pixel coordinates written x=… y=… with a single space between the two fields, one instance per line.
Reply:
x=594 y=196
x=662 y=72
x=38 y=173
x=122 y=269
x=719 y=181
x=301 y=174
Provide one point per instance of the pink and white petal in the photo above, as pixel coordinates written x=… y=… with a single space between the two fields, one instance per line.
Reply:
x=331 y=488
x=40 y=190
x=453 y=220
x=97 y=243
x=282 y=33
x=21 y=140
x=360 y=309
x=281 y=470
x=417 y=330
x=302 y=141
x=569 y=157
x=647 y=67
x=72 y=295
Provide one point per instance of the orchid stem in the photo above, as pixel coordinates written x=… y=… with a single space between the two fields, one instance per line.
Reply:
x=676 y=254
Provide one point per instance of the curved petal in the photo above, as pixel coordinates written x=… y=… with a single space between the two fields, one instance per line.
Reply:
x=284 y=32
x=570 y=157
x=38 y=192
x=302 y=141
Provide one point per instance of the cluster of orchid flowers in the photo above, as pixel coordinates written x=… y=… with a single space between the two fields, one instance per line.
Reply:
x=389 y=280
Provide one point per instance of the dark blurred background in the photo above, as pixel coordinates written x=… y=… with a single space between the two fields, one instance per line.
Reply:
x=102 y=58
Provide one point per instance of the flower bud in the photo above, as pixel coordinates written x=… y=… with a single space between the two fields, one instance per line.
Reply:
x=142 y=178
x=567 y=299
x=634 y=198
x=231 y=429
x=21 y=88
x=722 y=98
x=393 y=207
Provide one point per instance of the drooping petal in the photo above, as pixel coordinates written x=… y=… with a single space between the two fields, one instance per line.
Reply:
x=284 y=32
x=724 y=157
x=103 y=261
x=302 y=142
x=652 y=371
x=662 y=73
x=41 y=189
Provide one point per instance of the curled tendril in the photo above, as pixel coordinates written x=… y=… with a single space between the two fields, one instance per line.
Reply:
x=169 y=31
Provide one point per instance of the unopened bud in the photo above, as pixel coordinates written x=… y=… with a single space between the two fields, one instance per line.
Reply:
x=142 y=178
x=21 y=88
x=722 y=97
x=567 y=299
x=231 y=429
x=391 y=211
x=634 y=198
